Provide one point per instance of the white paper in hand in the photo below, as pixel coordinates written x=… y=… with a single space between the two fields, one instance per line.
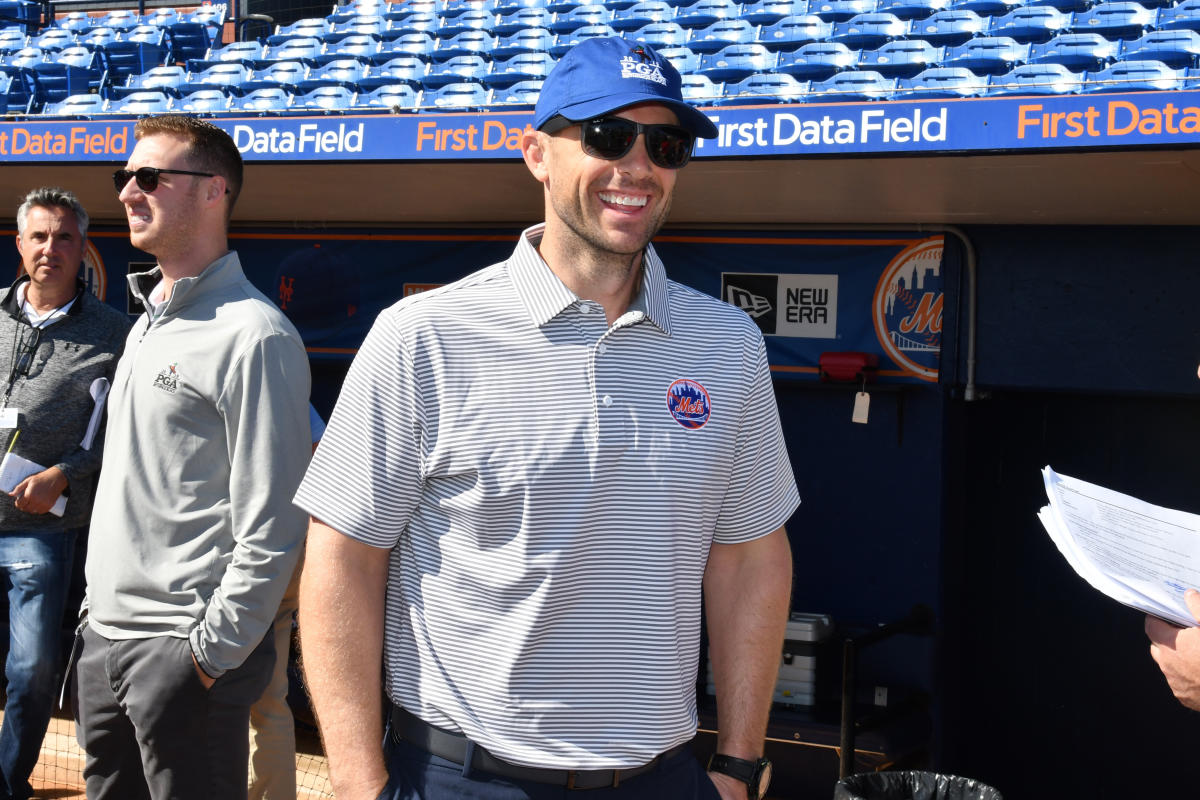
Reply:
x=14 y=469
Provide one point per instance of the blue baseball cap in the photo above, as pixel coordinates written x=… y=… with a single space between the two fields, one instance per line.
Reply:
x=606 y=74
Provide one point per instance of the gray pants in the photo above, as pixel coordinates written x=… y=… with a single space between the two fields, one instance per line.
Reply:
x=151 y=731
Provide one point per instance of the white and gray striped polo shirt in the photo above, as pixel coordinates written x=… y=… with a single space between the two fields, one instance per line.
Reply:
x=549 y=486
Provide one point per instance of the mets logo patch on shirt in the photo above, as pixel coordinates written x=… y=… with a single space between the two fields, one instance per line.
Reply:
x=688 y=403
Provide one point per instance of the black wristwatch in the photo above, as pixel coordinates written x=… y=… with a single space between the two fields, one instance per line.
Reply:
x=755 y=774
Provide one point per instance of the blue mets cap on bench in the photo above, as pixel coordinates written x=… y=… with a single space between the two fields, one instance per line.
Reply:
x=599 y=76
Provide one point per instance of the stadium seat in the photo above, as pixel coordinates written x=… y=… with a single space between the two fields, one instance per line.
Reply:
x=948 y=28
x=330 y=99
x=118 y=20
x=764 y=88
x=817 y=61
x=98 y=37
x=1179 y=49
x=1077 y=52
x=568 y=21
x=503 y=7
x=870 y=30
x=53 y=40
x=247 y=53
x=394 y=97
x=18 y=89
x=467 y=43
x=564 y=6
x=346 y=72
x=1184 y=15
x=422 y=22
x=702 y=13
x=167 y=79
x=841 y=10
x=912 y=9
x=526 y=40
x=287 y=74
x=460 y=69
x=367 y=25
x=77 y=105
x=1114 y=20
x=987 y=55
x=712 y=38
x=737 y=62
x=617 y=5
x=701 y=90
x=1134 y=76
x=941 y=83
x=986 y=8
x=202 y=101
x=75 y=21
x=357 y=8
x=308 y=50
x=852 y=85
x=684 y=59
x=520 y=96
x=767 y=12
x=264 y=100
x=457 y=97
x=1034 y=79
x=420 y=45
x=792 y=32
x=6 y=81
x=1063 y=5
x=522 y=19
x=565 y=41
x=25 y=57
x=360 y=46
x=1030 y=24
x=224 y=76
x=901 y=58
x=518 y=69
x=402 y=69
x=308 y=28
x=162 y=17
x=473 y=20
x=659 y=35
x=12 y=39
x=144 y=102
x=642 y=14
x=75 y=70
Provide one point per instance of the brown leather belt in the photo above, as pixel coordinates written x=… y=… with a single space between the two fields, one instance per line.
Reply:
x=459 y=749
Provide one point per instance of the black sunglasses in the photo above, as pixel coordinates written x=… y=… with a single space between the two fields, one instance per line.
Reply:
x=26 y=350
x=610 y=138
x=147 y=177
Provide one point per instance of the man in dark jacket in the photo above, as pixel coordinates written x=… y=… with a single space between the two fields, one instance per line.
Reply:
x=62 y=345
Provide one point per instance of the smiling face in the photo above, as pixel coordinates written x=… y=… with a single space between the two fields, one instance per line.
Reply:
x=51 y=249
x=164 y=222
x=608 y=208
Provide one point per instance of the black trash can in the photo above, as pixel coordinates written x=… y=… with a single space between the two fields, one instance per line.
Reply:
x=912 y=786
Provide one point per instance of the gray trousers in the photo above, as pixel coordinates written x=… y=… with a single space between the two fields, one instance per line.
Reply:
x=149 y=728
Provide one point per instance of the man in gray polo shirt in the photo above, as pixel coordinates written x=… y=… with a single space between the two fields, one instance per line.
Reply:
x=531 y=477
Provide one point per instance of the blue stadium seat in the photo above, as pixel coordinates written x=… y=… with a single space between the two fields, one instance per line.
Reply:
x=817 y=61
x=987 y=55
x=360 y=46
x=1179 y=48
x=421 y=22
x=474 y=20
x=403 y=69
x=356 y=8
x=457 y=97
x=308 y=50
x=617 y=5
x=145 y=102
x=98 y=36
x=527 y=40
x=1077 y=52
x=642 y=14
x=190 y=40
x=393 y=97
x=712 y=38
x=764 y=88
x=912 y=9
x=986 y=8
x=1030 y=24
x=247 y=53
x=219 y=76
x=53 y=39
x=202 y=101
x=75 y=21
x=520 y=96
x=308 y=28
x=565 y=41
x=1134 y=76
x=123 y=58
x=948 y=28
x=1184 y=15
x=659 y=35
x=1035 y=79
x=421 y=45
x=167 y=79
x=368 y=25
x=212 y=15
x=330 y=99
x=737 y=62
x=118 y=20
x=522 y=19
x=25 y=57
x=568 y=21
x=564 y=6
x=287 y=74
x=792 y=32
x=19 y=89
x=75 y=70
x=702 y=13
x=468 y=43
x=6 y=82
x=684 y=59
x=702 y=90
x=77 y=105
x=1114 y=20
x=508 y=6
x=767 y=12
x=162 y=17
x=841 y=10
x=942 y=83
x=1063 y=5
x=852 y=85
x=12 y=39
x=901 y=58
x=460 y=69
x=449 y=9
x=870 y=30
x=346 y=72
x=519 y=69
x=263 y=101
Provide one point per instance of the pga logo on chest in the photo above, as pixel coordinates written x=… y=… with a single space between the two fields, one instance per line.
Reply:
x=168 y=379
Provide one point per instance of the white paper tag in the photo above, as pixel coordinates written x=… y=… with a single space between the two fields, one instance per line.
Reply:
x=862 y=404
x=9 y=417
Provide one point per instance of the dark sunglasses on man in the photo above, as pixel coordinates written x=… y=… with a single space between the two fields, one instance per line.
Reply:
x=147 y=177
x=610 y=138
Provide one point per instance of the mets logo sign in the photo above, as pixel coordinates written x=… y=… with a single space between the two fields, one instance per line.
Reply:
x=907 y=309
x=93 y=274
x=687 y=401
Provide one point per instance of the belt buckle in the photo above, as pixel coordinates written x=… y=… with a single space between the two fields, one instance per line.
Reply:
x=573 y=773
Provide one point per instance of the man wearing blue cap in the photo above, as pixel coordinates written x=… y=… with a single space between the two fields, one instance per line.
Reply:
x=531 y=478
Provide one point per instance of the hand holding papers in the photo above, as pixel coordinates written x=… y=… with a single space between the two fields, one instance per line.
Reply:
x=1139 y=554
x=14 y=469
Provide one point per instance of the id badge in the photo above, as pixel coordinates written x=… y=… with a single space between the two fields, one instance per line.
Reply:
x=9 y=417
